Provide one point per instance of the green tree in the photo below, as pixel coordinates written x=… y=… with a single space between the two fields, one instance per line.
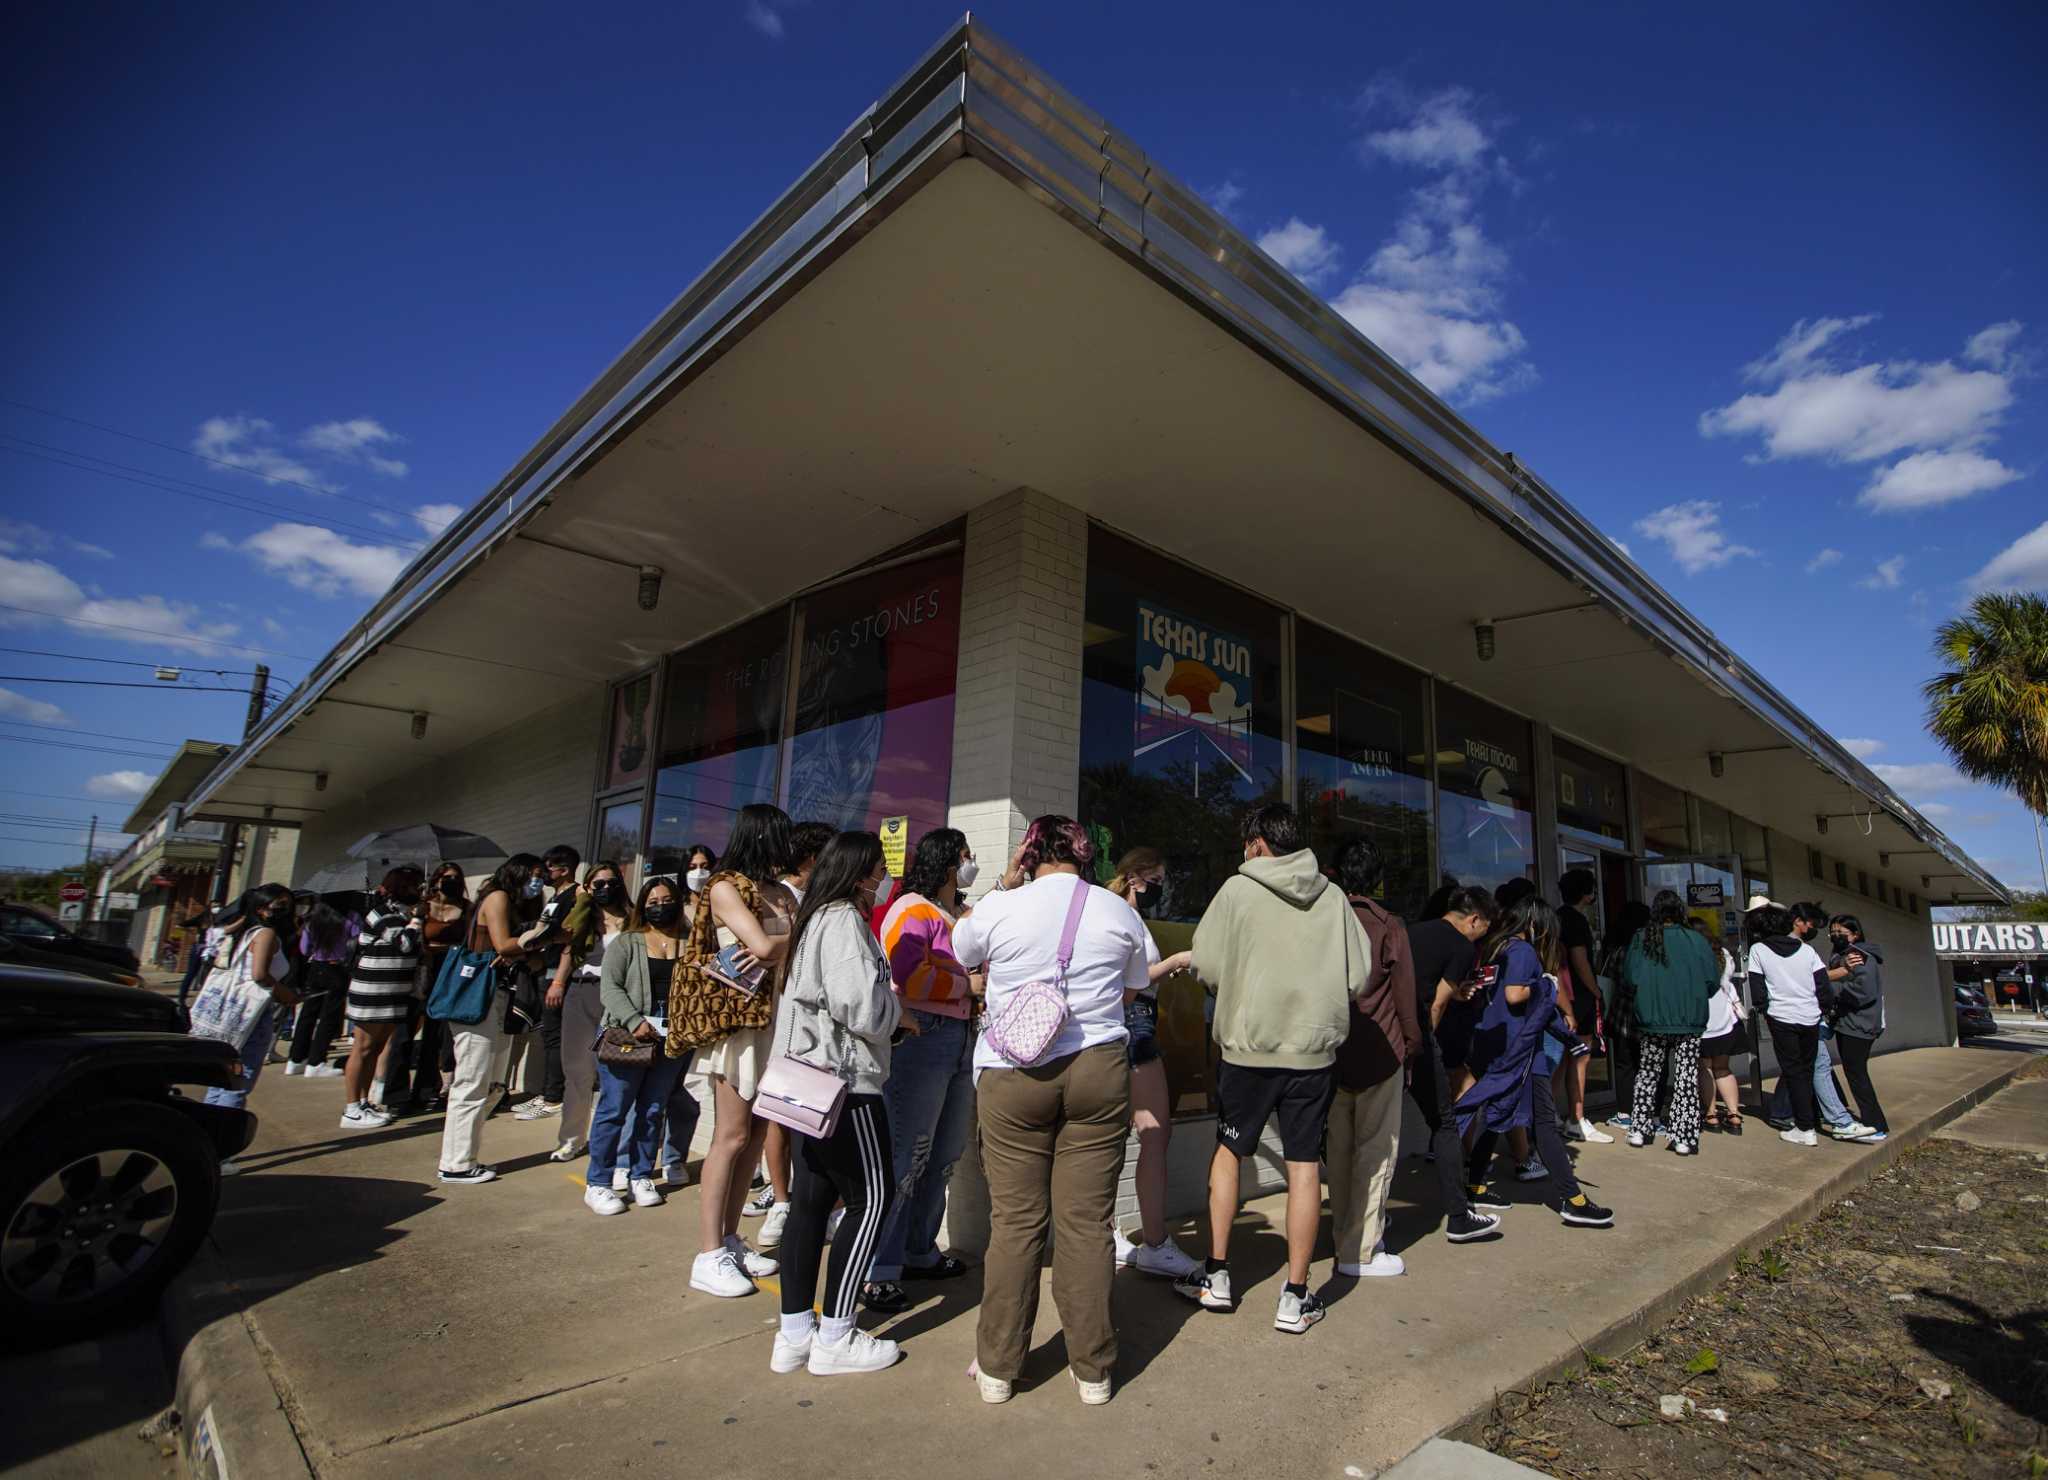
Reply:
x=1987 y=706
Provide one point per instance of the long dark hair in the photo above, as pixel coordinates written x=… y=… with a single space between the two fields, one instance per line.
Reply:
x=447 y=871
x=1665 y=911
x=759 y=846
x=938 y=854
x=249 y=912
x=1528 y=918
x=842 y=865
x=510 y=880
x=324 y=925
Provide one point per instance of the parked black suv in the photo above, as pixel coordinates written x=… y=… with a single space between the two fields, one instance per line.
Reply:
x=109 y=1161
x=46 y=943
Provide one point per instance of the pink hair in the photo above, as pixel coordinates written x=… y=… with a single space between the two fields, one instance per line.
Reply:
x=1056 y=839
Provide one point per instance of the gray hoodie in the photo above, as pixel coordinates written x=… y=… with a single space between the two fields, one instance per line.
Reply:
x=1861 y=993
x=1286 y=956
x=838 y=1010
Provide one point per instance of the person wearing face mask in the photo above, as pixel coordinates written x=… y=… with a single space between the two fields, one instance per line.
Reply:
x=1831 y=1110
x=930 y=1092
x=633 y=985
x=483 y=1050
x=551 y=937
x=600 y=912
x=703 y=863
x=1140 y=881
x=252 y=962
x=1857 y=969
x=380 y=990
x=442 y=913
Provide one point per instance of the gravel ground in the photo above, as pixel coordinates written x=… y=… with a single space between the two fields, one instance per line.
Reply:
x=1902 y=1333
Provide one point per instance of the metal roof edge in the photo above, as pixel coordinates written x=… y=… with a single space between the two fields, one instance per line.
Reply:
x=1015 y=118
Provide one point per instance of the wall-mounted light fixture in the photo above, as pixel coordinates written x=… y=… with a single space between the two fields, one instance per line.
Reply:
x=650 y=587
x=1482 y=640
x=1884 y=859
x=1717 y=764
x=319 y=781
x=419 y=724
x=1820 y=823
x=1483 y=629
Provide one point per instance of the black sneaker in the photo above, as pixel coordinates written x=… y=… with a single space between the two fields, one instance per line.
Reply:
x=1464 y=1228
x=470 y=1178
x=885 y=1297
x=1481 y=1198
x=1583 y=1212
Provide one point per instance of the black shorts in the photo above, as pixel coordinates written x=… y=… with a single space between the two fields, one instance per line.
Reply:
x=1141 y=1021
x=1300 y=1098
x=1454 y=1033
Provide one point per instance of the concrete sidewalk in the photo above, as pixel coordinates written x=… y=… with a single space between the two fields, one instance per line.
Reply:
x=363 y=1320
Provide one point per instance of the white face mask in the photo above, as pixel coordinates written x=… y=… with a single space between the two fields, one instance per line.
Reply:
x=697 y=878
x=884 y=891
x=967 y=873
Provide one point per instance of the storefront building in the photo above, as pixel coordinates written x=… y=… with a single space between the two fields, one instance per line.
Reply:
x=993 y=474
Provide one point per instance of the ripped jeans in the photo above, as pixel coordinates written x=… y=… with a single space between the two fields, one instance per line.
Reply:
x=930 y=1096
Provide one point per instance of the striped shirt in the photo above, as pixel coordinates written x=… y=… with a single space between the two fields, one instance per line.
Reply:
x=388 y=958
x=917 y=937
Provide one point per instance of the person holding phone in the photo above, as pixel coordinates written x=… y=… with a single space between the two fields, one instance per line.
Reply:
x=632 y=990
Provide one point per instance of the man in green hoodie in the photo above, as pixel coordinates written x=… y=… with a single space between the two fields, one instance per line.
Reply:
x=1286 y=956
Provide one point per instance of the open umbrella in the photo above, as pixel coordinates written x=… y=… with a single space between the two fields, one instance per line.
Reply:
x=423 y=845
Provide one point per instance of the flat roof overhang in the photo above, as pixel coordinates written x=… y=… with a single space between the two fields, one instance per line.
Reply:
x=982 y=286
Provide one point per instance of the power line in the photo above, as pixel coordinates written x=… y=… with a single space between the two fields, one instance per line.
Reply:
x=130 y=662
x=58 y=843
x=89 y=734
x=58 y=796
x=117 y=683
x=240 y=647
x=139 y=755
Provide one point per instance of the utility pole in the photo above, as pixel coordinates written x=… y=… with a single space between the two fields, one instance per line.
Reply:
x=231 y=832
x=91 y=836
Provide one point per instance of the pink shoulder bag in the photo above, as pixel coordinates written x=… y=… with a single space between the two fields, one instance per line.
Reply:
x=1036 y=1011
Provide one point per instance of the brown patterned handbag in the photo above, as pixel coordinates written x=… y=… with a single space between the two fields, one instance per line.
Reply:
x=703 y=1006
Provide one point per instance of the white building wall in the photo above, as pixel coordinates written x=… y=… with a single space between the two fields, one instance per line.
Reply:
x=526 y=788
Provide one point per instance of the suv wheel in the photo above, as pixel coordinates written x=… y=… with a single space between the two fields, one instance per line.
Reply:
x=99 y=1210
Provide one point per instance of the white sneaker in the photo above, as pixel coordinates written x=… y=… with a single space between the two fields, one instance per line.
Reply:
x=1638 y=1140
x=1122 y=1245
x=602 y=1201
x=1850 y=1132
x=645 y=1193
x=324 y=1071
x=1797 y=1137
x=790 y=1356
x=1592 y=1133
x=860 y=1352
x=1166 y=1259
x=993 y=1389
x=1209 y=1290
x=536 y=1110
x=719 y=1274
x=533 y=1103
x=1809 y=1138
x=1532 y=1170
x=622 y=1179
x=757 y=1265
x=769 y=1234
x=364 y=1118
x=568 y=1150
x=294 y=1070
x=1094 y=1394
x=1382 y=1265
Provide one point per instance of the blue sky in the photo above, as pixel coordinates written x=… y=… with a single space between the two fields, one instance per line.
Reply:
x=1760 y=293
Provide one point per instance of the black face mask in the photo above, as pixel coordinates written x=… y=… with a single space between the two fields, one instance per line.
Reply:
x=662 y=913
x=451 y=888
x=607 y=892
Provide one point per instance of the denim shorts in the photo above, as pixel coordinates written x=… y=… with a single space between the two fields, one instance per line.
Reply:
x=1141 y=1020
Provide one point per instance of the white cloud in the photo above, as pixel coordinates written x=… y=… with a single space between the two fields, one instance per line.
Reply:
x=246 y=443
x=1224 y=198
x=1304 y=250
x=2020 y=566
x=35 y=711
x=1926 y=480
x=356 y=440
x=1823 y=560
x=18 y=538
x=765 y=18
x=1937 y=412
x=1441 y=132
x=1885 y=576
x=434 y=518
x=1921 y=778
x=319 y=560
x=1692 y=531
x=1863 y=750
x=1993 y=346
x=120 y=786
x=1935 y=811
x=47 y=593
x=1621 y=545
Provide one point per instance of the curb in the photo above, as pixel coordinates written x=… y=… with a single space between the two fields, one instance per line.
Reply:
x=1629 y=1332
x=234 y=1417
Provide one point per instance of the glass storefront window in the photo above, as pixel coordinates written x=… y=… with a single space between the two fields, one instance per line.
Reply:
x=1180 y=716
x=1592 y=796
x=721 y=731
x=1664 y=822
x=874 y=705
x=618 y=836
x=1714 y=833
x=1751 y=843
x=626 y=754
x=1361 y=762
x=1486 y=810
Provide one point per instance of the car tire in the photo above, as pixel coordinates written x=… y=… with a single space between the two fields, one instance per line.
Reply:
x=98 y=1210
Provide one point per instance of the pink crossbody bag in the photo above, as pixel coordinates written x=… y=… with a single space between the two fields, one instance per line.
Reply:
x=798 y=1095
x=1036 y=1011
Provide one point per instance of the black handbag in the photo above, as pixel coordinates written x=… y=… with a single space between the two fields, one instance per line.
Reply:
x=524 y=999
x=619 y=1049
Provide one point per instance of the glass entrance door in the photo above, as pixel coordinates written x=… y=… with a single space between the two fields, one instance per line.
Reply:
x=1615 y=876
x=1710 y=884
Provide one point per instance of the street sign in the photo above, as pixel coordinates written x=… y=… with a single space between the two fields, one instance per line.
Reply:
x=71 y=911
x=1954 y=939
x=71 y=893
x=124 y=901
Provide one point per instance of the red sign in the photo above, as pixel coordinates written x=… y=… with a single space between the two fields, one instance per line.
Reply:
x=71 y=893
x=164 y=881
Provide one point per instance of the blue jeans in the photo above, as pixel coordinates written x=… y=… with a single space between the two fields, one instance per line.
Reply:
x=930 y=1099
x=630 y=1103
x=678 y=1126
x=255 y=1053
x=1827 y=1099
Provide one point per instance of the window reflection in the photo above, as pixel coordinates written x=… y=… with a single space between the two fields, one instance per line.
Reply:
x=1487 y=826
x=1592 y=796
x=627 y=755
x=721 y=730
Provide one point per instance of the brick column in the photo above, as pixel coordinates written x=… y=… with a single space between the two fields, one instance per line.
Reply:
x=1016 y=718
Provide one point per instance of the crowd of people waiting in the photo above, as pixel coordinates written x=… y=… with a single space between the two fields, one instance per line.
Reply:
x=855 y=1034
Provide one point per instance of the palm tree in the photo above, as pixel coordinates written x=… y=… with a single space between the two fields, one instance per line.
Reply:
x=1988 y=706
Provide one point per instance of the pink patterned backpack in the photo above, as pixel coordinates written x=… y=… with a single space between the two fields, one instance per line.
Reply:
x=1029 y=1022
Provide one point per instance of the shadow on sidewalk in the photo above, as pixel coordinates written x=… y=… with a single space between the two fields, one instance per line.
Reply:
x=279 y=1231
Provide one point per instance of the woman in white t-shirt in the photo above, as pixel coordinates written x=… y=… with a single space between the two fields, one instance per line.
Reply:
x=1786 y=978
x=1725 y=1037
x=1061 y=1122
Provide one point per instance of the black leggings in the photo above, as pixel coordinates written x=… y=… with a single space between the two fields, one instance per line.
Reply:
x=1797 y=1045
x=1549 y=1143
x=852 y=1165
x=1855 y=1056
x=1430 y=1088
x=319 y=1018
